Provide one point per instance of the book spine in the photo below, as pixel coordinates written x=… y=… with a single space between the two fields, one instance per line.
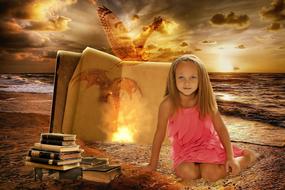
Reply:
x=56 y=148
x=42 y=160
x=57 y=142
x=55 y=137
x=42 y=154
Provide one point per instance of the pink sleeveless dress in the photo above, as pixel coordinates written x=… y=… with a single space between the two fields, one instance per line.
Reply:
x=195 y=140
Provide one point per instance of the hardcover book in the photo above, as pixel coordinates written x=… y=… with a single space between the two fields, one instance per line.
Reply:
x=52 y=161
x=54 y=155
x=46 y=166
x=56 y=148
x=58 y=142
x=89 y=162
x=102 y=173
x=58 y=136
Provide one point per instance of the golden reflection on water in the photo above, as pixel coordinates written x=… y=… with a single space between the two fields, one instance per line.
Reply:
x=226 y=97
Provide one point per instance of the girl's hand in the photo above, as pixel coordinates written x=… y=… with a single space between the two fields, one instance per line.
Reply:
x=148 y=168
x=232 y=167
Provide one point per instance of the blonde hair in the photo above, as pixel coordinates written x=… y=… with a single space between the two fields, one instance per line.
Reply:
x=206 y=101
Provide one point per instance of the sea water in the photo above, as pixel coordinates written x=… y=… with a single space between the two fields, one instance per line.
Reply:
x=251 y=96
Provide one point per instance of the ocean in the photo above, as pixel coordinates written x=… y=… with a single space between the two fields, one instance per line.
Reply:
x=250 y=96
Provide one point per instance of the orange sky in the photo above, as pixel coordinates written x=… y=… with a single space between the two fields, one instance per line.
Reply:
x=229 y=36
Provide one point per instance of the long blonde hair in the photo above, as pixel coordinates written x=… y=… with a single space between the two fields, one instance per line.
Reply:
x=206 y=101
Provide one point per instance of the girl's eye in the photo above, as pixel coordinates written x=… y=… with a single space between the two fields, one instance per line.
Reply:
x=194 y=77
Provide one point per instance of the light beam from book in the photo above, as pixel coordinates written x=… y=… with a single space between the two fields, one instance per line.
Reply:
x=123 y=134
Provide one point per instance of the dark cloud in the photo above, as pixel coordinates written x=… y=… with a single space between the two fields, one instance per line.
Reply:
x=151 y=46
x=197 y=49
x=22 y=40
x=135 y=17
x=241 y=46
x=232 y=20
x=274 y=26
x=208 y=42
x=274 y=12
x=236 y=68
x=15 y=9
x=184 y=44
x=50 y=54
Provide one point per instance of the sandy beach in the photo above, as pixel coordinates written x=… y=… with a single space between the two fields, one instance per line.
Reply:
x=23 y=116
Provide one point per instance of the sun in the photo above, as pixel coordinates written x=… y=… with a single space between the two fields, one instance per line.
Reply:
x=225 y=64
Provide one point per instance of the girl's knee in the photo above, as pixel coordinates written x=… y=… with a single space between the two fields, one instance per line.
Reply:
x=212 y=172
x=189 y=175
x=188 y=172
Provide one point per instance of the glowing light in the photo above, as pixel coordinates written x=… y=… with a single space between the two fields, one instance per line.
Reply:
x=168 y=26
x=123 y=134
x=224 y=64
x=226 y=97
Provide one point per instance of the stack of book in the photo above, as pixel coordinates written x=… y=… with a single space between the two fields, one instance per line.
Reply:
x=55 y=151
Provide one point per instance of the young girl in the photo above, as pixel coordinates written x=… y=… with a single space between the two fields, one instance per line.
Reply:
x=201 y=144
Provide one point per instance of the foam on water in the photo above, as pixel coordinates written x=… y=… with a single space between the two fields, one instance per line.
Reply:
x=26 y=83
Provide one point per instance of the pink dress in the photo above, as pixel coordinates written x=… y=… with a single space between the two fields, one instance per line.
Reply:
x=195 y=140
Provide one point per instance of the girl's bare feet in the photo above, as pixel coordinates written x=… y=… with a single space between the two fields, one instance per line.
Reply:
x=251 y=157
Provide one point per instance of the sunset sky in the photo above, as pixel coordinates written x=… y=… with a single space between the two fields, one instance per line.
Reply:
x=229 y=36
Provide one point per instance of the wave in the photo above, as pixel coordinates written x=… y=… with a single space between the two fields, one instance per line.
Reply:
x=252 y=112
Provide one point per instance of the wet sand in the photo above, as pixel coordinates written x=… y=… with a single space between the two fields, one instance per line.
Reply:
x=23 y=119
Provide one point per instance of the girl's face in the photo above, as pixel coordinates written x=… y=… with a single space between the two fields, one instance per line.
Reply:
x=186 y=75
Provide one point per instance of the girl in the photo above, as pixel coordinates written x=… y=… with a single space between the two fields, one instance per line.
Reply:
x=201 y=145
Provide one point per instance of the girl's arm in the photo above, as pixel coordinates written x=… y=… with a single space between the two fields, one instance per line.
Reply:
x=163 y=114
x=223 y=134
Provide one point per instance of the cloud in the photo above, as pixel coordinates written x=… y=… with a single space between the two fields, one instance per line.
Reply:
x=241 y=46
x=37 y=14
x=50 y=54
x=151 y=47
x=210 y=42
x=230 y=20
x=275 y=12
x=184 y=44
x=236 y=68
x=21 y=61
x=135 y=17
x=166 y=54
x=15 y=37
x=274 y=26
x=54 y=24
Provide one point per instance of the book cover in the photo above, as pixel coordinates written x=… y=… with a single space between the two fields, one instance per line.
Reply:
x=103 y=173
x=56 y=148
x=46 y=166
x=52 y=161
x=105 y=168
x=54 y=155
x=58 y=142
x=89 y=162
x=58 y=136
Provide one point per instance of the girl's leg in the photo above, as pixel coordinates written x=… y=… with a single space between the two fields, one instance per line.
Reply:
x=212 y=172
x=248 y=159
x=188 y=171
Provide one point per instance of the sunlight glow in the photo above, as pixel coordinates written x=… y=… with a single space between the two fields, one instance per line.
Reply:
x=224 y=64
x=225 y=97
